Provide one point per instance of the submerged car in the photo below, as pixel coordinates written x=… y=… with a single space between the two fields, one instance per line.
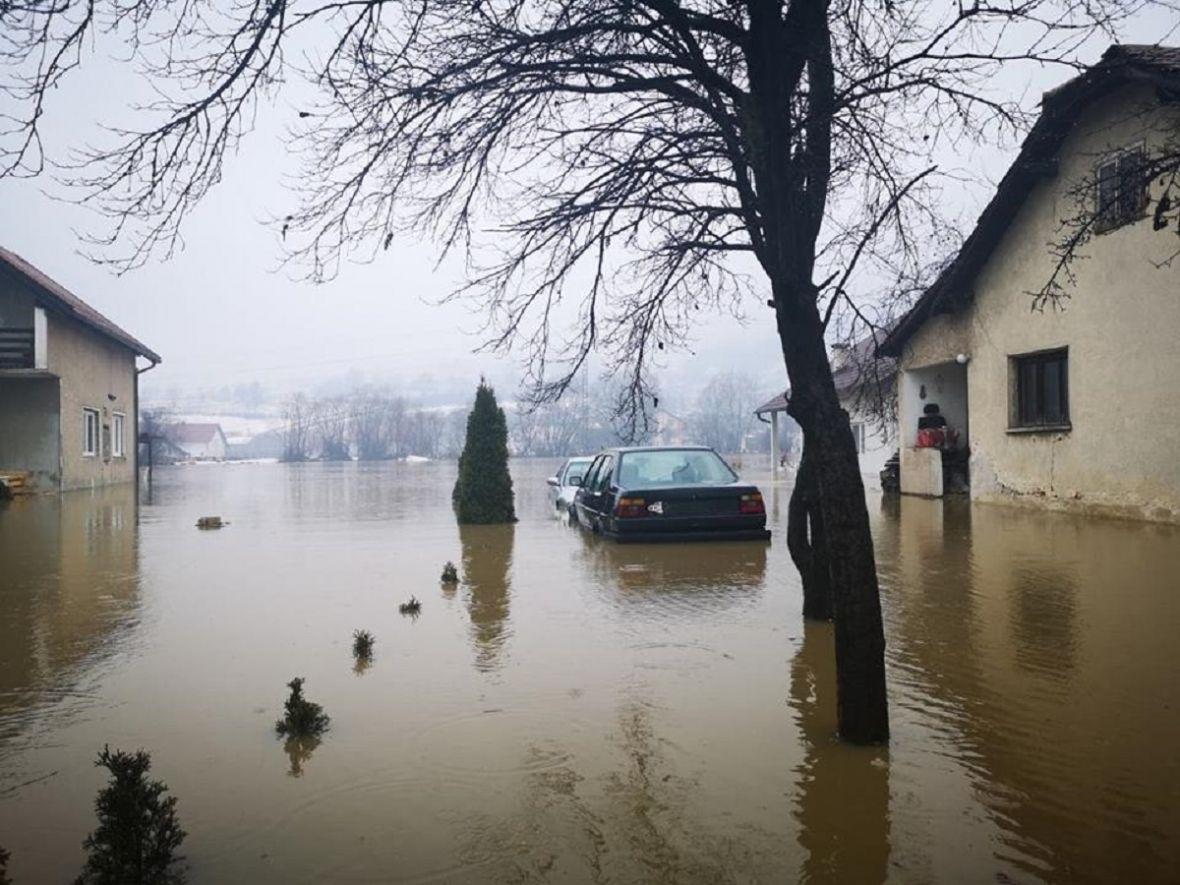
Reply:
x=684 y=493
x=565 y=483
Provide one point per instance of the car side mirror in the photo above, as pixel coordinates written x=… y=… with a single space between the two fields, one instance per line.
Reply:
x=553 y=481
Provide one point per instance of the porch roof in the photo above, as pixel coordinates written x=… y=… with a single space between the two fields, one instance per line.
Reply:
x=1060 y=108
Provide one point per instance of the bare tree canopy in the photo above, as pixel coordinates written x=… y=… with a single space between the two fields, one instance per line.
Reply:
x=626 y=155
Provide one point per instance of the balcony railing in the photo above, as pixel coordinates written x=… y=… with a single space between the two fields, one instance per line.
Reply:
x=17 y=348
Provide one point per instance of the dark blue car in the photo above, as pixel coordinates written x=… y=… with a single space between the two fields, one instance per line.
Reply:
x=682 y=493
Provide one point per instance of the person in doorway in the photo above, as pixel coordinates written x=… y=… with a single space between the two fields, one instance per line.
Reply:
x=932 y=418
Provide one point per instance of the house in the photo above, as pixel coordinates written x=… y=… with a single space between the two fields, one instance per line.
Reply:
x=865 y=386
x=69 y=385
x=202 y=442
x=1073 y=405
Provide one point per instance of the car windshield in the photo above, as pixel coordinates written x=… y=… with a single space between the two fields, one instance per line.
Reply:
x=673 y=467
x=576 y=470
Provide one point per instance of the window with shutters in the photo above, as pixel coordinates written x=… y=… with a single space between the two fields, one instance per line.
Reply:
x=1121 y=189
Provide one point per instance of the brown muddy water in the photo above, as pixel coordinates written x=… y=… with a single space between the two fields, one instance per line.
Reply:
x=577 y=711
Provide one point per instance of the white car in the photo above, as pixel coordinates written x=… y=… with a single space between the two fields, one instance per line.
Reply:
x=566 y=482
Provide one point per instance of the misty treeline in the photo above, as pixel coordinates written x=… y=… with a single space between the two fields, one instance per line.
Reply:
x=368 y=425
x=376 y=425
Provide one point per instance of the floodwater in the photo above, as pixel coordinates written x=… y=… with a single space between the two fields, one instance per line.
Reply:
x=577 y=711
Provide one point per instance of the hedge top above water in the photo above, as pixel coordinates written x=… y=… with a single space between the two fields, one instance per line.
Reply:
x=483 y=491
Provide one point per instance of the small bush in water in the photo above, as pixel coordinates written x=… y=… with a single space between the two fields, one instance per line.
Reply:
x=301 y=718
x=413 y=607
x=362 y=644
x=450 y=574
x=138 y=832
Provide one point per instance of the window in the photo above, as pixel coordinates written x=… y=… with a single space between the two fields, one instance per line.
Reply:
x=602 y=481
x=591 y=474
x=576 y=470
x=1042 y=390
x=90 y=432
x=674 y=467
x=1122 y=190
x=858 y=434
x=117 y=435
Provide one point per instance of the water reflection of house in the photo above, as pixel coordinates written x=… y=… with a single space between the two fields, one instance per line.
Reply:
x=865 y=386
x=69 y=387
x=1035 y=650
x=1069 y=407
x=70 y=593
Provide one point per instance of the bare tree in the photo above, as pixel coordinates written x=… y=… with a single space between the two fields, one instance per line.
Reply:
x=332 y=420
x=644 y=146
x=297 y=413
x=725 y=411
x=376 y=425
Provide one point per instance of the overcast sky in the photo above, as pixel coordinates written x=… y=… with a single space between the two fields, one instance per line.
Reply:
x=222 y=312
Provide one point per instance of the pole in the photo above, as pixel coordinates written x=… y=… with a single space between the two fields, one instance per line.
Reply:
x=774 y=455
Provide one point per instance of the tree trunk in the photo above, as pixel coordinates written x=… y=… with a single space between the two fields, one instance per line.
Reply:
x=862 y=707
x=806 y=542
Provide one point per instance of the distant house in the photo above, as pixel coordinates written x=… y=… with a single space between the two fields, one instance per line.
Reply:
x=69 y=385
x=1074 y=406
x=201 y=442
x=865 y=386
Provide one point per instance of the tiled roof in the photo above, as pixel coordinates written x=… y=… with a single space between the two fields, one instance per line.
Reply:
x=59 y=298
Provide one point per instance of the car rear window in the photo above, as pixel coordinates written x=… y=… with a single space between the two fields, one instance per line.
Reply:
x=673 y=467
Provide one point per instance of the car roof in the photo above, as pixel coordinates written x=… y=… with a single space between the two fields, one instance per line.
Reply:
x=623 y=450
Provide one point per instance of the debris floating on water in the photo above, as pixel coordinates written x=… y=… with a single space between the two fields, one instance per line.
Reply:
x=410 y=608
x=211 y=522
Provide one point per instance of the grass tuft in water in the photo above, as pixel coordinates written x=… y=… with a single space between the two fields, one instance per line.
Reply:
x=301 y=717
x=450 y=574
x=138 y=833
x=413 y=607
x=362 y=644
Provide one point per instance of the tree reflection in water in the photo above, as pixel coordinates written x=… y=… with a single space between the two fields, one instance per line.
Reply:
x=299 y=750
x=634 y=823
x=487 y=568
x=842 y=799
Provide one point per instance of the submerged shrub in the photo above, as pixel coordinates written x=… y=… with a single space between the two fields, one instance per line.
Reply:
x=301 y=717
x=483 y=491
x=138 y=833
x=450 y=574
x=412 y=607
x=362 y=644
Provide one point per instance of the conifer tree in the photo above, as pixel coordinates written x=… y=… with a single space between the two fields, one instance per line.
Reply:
x=138 y=833
x=483 y=491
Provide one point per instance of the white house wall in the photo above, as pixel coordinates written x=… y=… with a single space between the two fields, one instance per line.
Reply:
x=1121 y=327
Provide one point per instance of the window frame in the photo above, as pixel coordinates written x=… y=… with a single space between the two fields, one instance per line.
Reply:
x=118 y=434
x=602 y=482
x=1016 y=410
x=90 y=447
x=1121 y=216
